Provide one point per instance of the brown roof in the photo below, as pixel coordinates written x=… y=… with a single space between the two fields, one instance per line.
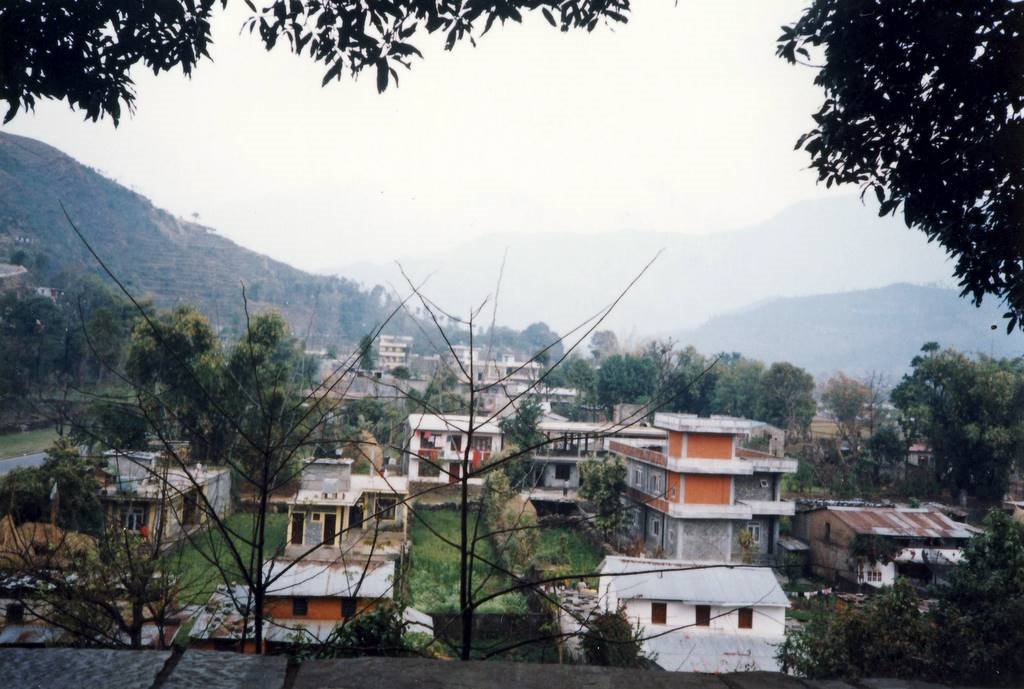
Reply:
x=900 y=521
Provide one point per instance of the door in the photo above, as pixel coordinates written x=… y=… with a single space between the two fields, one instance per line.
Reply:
x=298 y=524
x=453 y=469
x=355 y=516
x=329 y=529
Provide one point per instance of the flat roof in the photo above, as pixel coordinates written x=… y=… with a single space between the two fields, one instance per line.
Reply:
x=691 y=423
x=609 y=429
x=452 y=423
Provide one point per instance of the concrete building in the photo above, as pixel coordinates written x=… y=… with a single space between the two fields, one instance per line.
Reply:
x=694 y=500
x=305 y=601
x=144 y=492
x=393 y=351
x=556 y=464
x=917 y=543
x=348 y=513
x=724 y=619
x=435 y=446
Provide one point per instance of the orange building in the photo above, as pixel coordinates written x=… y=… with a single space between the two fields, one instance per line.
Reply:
x=695 y=501
x=305 y=601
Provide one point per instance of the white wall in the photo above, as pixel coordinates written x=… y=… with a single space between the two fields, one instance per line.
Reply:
x=767 y=621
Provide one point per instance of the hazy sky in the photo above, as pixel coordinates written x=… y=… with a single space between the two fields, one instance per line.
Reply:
x=682 y=120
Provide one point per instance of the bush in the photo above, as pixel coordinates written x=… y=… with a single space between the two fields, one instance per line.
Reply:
x=612 y=641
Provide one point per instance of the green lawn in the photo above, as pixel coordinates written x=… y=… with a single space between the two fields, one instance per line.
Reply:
x=15 y=444
x=561 y=550
x=201 y=577
x=433 y=575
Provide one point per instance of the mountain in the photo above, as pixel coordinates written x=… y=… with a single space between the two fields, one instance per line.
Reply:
x=835 y=244
x=155 y=254
x=859 y=331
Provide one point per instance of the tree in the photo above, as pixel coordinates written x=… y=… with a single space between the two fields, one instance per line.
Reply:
x=604 y=344
x=787 y=397
x=886 y=446
x=846 y=400
x=28 y=494
x=923 y=107
x=603 y=482
x=610 y=640
x=626 y=378
x=521 y=433
x=980 y=607
x=367 y=359
x=737 y=386
x=377 y=632
x=968 y=410
x=84 y=52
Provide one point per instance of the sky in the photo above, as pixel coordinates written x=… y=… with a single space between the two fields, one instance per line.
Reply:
x=682 y=120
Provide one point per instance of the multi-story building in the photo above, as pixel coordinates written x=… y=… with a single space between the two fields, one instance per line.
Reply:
x=436 y=445
x=556 y=464
x=694 y=500
x=336 y=511
x=160 y=499
x=393 y=351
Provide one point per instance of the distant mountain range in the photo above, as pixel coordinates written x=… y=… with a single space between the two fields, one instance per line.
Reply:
x=813 y=247
x=154 y=253
x=859 y=331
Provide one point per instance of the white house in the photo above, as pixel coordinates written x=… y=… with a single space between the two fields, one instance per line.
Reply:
x=436 y=445
x=699 y=618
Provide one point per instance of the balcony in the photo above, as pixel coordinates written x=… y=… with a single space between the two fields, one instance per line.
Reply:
x=684 y=465
x=930 y=556
x=701 y=511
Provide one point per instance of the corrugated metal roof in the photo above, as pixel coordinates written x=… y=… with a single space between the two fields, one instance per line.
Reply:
x=900 y=521
x=451 y=423
x=314 y=579
x=727 y=585
x=686 y=650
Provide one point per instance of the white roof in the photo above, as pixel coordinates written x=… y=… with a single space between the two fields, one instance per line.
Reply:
x=702 y=584
x=691 y=423
x=452 y=423
x=330 y=579
x=609 y=429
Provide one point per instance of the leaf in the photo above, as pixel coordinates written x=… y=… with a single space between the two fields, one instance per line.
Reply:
x=548 y=16
x=382 y=75
x=880 y=194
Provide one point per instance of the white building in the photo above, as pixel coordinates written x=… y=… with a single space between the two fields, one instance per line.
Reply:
x=436 y=445
x=393 y=351
x=704 y=619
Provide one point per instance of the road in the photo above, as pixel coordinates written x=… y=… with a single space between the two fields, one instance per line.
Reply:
x=30 y=460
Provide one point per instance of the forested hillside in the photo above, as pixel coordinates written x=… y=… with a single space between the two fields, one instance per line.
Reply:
x=155 y=254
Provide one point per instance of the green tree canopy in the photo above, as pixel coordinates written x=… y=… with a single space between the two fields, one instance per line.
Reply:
x=969 y=411
x=923 y=107
x=787 y=397
x=84 y=52
x=626 y=378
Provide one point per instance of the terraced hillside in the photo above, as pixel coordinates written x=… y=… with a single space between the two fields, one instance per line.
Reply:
x=156 y=254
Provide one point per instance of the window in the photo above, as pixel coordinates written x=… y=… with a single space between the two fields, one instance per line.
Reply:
x=348 y=607
x=659 y=613
x=638 y=478
x=755 y=531
x=455 y=443
x=316 y=516
x=746 y=618
x=298 y=524
x=562 y=472
x=386 y=507
x=703 y=615
x=134 y=517
x=330 y=529
x=874 y=575
x=828 y=532
x=656 y=527
x=482 y=443
x=654 y=484
x=764 y=483
x=300 y=606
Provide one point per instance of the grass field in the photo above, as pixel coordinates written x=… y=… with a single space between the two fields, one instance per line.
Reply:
x=562 y=550
x=433 y=576
x=199 y=576
x=15 y=444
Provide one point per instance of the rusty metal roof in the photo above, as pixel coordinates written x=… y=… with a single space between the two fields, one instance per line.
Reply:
x=900 y=521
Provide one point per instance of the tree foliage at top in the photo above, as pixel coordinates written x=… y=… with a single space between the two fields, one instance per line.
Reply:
x=83 y=51
x=923 y=107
